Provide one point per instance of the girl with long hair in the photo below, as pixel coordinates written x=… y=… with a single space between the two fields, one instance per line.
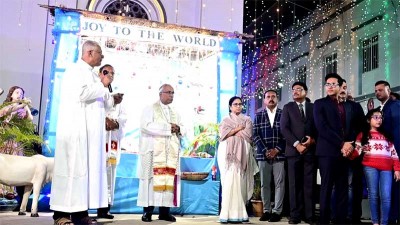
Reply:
x=379 y=160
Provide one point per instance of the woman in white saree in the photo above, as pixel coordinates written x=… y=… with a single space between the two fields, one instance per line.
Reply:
x=236 y=162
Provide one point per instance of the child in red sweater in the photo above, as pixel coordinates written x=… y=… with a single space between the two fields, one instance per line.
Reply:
x=380 y=159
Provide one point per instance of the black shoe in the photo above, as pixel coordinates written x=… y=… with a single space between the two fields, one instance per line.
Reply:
x=310 y=221
x=265 y=216
x=168 y=217
x=105 y=216
x=146 y=217
x=275 y=217
x=294 y=221
x=104 y=213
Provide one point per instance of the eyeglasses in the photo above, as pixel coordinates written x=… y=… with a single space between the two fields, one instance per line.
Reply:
x=168 y=92
x=105 y=72
x=298 y=89
x=331 y=85
x=237 y=104
x=376 y=117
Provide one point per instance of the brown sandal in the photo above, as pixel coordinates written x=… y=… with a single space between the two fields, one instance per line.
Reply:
x=86 y=221
x=63 y=221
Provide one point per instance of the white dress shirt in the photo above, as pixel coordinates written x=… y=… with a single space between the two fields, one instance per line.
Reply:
x=271 y=115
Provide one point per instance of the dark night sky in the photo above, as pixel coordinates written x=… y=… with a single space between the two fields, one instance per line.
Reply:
x=269 y=20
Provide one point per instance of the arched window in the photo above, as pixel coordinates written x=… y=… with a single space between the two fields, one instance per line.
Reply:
x=126 y=8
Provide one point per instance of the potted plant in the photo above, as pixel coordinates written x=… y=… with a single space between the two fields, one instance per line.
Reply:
x=256 y=201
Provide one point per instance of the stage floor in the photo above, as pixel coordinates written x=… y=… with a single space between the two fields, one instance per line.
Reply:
x=11 y=218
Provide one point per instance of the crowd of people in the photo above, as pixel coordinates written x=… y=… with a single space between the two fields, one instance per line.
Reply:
x=332 y=134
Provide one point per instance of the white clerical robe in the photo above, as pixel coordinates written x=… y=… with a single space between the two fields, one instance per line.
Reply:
x=114 y=147
x=155 y=129
x=80 y=179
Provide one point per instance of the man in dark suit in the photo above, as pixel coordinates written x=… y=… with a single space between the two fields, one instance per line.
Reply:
x=298 y=129
x=355 y=119
x=332 y=149
x=391 y=125
x=270 y=155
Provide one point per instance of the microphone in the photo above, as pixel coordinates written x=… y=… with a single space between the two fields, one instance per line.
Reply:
x=110 y=88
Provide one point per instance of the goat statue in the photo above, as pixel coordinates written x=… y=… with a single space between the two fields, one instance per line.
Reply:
x=32 y=172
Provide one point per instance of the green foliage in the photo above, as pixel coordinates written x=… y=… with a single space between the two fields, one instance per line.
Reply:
x=16 y=134
x=204 y=142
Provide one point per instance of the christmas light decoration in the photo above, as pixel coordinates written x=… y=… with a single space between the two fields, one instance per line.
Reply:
x=335 y=28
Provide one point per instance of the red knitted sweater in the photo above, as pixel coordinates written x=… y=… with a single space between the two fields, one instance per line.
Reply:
x=379 y=153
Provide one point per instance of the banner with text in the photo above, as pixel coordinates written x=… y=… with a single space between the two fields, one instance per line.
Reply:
x=95 y=27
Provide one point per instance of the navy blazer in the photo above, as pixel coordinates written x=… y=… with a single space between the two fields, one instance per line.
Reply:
x=391 y=121
x=266 y=137
x=329 y=128
x=294 y=128
x=355 y=120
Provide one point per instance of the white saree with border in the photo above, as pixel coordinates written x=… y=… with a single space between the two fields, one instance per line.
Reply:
x=237 y=181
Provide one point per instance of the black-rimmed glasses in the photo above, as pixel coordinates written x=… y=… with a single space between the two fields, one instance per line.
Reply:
x=168 y=92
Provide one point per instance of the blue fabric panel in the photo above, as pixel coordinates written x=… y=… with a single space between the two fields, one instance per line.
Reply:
x=127 y=166
x=196 y=164
x=199 y=197
x=125 y=200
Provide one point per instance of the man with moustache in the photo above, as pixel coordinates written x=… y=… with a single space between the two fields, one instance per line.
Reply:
x=160 y=134
x=270 y=155
x=355 y=118
x=80 y=179
x=298 y=129
x=332 y=149
x=391 y=125
x=391 y=111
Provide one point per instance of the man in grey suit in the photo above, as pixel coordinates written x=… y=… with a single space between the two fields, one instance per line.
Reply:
x=297 y=127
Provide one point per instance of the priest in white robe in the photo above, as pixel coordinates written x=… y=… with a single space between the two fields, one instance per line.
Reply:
x=115 y=122
x=159 y=174
x=80 y=180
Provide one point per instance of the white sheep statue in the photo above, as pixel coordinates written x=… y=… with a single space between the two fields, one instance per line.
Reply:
x=32 y=172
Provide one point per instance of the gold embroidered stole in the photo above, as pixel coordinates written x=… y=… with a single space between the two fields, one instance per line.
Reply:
x=165 y=154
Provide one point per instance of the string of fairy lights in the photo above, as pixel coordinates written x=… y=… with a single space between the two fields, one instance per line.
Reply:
x=266 y=64
x=269 y=65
